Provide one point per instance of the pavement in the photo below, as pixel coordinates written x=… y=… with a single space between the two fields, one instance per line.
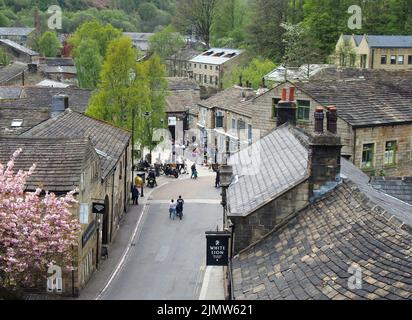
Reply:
x=155 y=258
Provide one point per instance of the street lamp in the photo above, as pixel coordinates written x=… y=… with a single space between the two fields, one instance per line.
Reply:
x=146 y=115
x=226 y=175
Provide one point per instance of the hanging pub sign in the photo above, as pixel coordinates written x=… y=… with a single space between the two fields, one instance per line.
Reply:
x=217 y=248
x=99 y=208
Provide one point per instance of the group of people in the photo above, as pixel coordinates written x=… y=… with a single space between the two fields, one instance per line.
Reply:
x=176 y=208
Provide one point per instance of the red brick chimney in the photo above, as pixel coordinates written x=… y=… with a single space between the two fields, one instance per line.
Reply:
x=287 y=108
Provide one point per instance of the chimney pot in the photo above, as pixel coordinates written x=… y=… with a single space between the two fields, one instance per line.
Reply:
x=292 y=94
x=319 y=117
x=332 y=119
x=284 y=94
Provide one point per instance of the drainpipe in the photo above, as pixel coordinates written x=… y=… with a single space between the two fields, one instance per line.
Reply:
x=111 y=224
x=354 y=146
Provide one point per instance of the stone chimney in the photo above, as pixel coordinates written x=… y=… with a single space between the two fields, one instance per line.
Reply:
x=59 y=104
x=287 y=108
x=324 y=154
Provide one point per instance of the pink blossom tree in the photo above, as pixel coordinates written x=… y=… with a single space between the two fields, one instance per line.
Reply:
x=36 y=230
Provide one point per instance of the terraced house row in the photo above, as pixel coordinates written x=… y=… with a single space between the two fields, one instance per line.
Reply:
x=71 y=151
x=374 y=117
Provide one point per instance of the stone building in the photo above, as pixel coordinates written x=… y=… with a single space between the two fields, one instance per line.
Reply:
x=19 y=52
x=178 y=64
x=374 y=52
x=209 y=67
x=140 y=40
x=307 y=219
x=19 y=35
x=225 y=122
x=59 y=171
x=114 y=148
x=374 y=119
x=181 y=103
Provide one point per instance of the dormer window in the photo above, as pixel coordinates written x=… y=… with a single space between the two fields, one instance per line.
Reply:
x=17 y=123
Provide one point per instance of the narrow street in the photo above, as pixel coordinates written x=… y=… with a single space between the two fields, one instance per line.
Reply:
x=166 y=260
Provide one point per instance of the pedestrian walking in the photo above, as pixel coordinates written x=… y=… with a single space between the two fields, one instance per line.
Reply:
x=172 y=209
x=194 y=171
x=217 y=181
x=135 y=195
x=179 y=207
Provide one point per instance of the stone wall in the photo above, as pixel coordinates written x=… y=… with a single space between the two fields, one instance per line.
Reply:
x=402 y=134
x=255 y=226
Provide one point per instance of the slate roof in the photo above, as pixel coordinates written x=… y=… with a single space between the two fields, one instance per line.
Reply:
x=389 y=41
x=60 y=69
x=185 y=54
x=59 y=61
x=362 y=103
x=181 y=84
x=11 y=71
x=111 y=140
x=181 y=101
x=222 y=99
x=59 y=162
x=397 y=187
x=216 y=56
x=10 y=93
x=140 y=40
x=19 y=47
x=267 y=169
x=358 y=38
x=14 y=31
x=52 y=84
x=30 y=118
x=35 y=97
x=309 y=257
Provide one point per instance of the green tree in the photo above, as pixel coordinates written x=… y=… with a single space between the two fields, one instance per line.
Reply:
x=155 y=74
x=103 y=34
x=197 y=16
x=4 y=21
x=230 y=20
x=297 y=42
x=88 y=64
x=253 y=72
x=118 y=91
x=49 y=44
x=4 y=58
x=166 y=42
x=264 y=32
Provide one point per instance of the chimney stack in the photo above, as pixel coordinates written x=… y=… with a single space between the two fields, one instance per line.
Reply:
x=332 y=119
x=287 y=108
x=325 y=154
x=59 y=104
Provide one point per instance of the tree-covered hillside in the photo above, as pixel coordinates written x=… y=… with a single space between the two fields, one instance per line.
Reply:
x=128 y=15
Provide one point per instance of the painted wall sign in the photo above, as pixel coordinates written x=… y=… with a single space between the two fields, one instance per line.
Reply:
x=88 y=233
